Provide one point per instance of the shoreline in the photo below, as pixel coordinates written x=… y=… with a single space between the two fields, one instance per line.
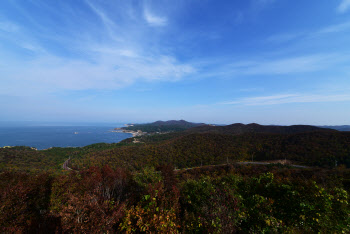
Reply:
x=68 y=146
x=119 y=130
x=134 y=133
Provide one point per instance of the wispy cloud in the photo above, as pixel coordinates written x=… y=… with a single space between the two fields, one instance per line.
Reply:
x=107 y=22
x=110 y=71
x=344 y=6
x=261 y=4
x=336 y=28
x=281 y=66
x=153 y=19
x=248 y=90
x=284 y=37
x=109 y=55
x=274 y=66
x=288 y=98
x=9 y=26
x=295 y=36
x=264 y=1
x=239 y=17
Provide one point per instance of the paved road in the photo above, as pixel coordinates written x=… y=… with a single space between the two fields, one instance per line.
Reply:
x=65 y=165
x=266 y=163
x=241 y=163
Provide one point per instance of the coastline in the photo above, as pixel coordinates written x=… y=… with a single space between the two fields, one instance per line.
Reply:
x=134 y=133
x=47 y=137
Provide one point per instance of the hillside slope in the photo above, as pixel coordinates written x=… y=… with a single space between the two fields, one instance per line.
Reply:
x=311 y=148
x=239 y=128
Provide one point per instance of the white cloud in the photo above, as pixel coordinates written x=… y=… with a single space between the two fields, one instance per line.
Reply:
x=154 y=20
x=107 y=22
x=128 y=53
x=344 y=6
x=108 y=72
x=108 y=56
x=289 y=98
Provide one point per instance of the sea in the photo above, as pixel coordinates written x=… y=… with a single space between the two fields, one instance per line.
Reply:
x=47 y=135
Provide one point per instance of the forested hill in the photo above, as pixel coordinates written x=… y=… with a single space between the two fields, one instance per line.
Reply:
x=239 y=128
x=338 y=127
x=181 y=123
x=115 y=188
x=163 y=126
x=233 y=129
x=318 y=148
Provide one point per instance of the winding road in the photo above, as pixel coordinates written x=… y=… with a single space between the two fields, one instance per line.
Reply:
x=240 y=163
x=266 y=163
x=65 y=165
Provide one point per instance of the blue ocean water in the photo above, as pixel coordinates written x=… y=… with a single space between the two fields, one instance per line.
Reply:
x=43 y=137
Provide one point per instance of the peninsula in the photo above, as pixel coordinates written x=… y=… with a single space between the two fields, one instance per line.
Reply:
x=158 y=127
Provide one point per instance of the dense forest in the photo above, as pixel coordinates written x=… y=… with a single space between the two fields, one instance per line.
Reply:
x=239 y=128
x=325 y=149
x=188 y=181
x=216 y=200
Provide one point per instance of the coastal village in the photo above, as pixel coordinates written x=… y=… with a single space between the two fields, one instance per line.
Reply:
x=137 y=133
x=134 y=133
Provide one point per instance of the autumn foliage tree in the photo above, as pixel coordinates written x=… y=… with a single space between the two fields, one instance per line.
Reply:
x=93 y=199
x=24 y=202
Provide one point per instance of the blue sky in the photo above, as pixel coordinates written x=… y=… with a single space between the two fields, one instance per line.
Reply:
x=263 y=61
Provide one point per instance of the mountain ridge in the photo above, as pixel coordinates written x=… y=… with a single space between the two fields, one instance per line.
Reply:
x=162 y=126
x=239 y=128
